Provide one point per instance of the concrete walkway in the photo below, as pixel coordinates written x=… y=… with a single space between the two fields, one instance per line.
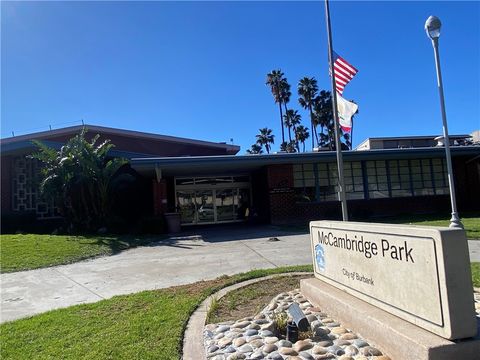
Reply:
x=474 y=248
x=189 y=257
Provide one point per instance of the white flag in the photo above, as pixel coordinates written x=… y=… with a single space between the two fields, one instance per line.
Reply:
x=346 y=109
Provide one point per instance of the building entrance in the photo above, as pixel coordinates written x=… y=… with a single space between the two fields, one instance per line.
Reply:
x=210 y=200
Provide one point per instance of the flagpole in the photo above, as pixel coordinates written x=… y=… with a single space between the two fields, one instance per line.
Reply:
x=341 y=185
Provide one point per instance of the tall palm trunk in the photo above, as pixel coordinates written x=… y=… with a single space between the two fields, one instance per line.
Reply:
x=281 y=120
x=297 y=145
x=289 y=128
x=314 y=128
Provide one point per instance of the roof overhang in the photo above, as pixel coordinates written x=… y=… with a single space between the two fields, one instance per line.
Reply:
x=216 y=165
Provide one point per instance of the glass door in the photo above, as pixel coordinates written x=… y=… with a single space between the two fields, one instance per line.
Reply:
x=224 y=201
x=186 y=206
x=208 y=200
x=242 y=203
x=205 y=210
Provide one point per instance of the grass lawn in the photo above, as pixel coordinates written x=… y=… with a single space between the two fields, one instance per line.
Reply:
x=470 y=220
x=146 y=325
x=25 y=252
x=476 y=274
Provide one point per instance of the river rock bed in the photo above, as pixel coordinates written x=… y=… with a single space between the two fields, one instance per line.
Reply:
x=256 y=337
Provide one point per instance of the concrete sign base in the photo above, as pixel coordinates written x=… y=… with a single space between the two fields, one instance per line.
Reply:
x=398 y=338
x=420 y=274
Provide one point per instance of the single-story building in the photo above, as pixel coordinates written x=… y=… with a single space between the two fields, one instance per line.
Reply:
x=207 y=183
x=19 y=174
x=285 y=188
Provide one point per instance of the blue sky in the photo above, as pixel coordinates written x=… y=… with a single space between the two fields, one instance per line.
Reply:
x=197 y=69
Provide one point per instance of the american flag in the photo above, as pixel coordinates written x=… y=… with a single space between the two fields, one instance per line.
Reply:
x=344 y=72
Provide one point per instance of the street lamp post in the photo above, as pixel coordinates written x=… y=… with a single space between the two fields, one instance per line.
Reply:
x=432 y=27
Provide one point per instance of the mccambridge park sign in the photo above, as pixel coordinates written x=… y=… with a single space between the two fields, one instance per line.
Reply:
x=420 y=274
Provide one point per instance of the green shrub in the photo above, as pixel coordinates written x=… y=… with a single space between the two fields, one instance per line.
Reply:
x=27 y=222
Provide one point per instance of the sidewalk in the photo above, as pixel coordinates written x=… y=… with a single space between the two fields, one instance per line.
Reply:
x=182 y=259
x=474 y=249
x=189 y=257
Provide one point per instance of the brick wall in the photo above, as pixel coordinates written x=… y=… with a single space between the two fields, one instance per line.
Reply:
x=159 y=197
x=281 y=194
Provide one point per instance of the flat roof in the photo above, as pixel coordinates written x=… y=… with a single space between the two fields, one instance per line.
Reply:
x=416 y=137
x=216 y=165
x=413 y=137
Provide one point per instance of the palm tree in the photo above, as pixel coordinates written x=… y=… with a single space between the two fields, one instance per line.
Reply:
x=346 y=136
x=323 y=114
x=265 y=138
x=285 y=92
x=276 y=82
x=292 y=146
x=255 y=149
x=307 y=91
x=301 y=135
x=291 y=119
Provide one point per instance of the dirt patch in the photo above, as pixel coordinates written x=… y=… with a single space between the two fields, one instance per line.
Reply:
x=251 y=299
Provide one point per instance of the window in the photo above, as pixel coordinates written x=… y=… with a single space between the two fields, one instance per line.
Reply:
x=304 y=182
x=377 y=179
x=440 y=180
x=399 y=178
x=421 y=143
x=384 y=179
x=421 y=172
x=319 y=182
x=353 y=177
x=390 y=144
x=327 y=181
